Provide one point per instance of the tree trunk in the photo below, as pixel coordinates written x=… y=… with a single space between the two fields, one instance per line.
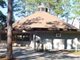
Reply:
x=73 y=20
x=9 y=31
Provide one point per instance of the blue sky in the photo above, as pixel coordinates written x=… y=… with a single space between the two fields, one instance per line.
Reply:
x=4 y=11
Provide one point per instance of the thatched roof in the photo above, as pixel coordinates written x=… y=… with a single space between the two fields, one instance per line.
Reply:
x=41 y=20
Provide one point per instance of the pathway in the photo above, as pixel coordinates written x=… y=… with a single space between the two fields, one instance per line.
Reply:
x=28 y=54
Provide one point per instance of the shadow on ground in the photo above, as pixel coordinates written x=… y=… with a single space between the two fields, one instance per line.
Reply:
x=23 y=54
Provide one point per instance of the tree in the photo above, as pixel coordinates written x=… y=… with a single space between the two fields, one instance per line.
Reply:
x=55 y=5
x=2 y=3
x=62 y=8
x=9 y=30
x=2 y=16
x=23 y=9
x=27 y=7
x=76 y=10
x=2 y=20
x=76 y=7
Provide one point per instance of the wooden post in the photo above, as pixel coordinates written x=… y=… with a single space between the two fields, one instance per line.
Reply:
x=34 y=39
x=42 y=45
x=52 y=44
x=76 y=48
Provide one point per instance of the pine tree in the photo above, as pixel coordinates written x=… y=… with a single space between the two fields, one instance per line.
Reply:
x=9 y=30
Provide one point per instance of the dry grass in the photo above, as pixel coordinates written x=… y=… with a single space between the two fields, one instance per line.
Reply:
x=7 y=59
x=76 y=53
x=3 y=57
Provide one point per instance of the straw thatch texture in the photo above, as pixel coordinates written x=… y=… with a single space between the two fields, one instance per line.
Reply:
x=41 y=20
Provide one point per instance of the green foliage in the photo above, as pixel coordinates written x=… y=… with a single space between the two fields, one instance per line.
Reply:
x=62 y=8
x=2 y=16
x=2 y=20
x=77 y=12
x=76 y=7
x=27 y=7
x=34 y=1
x=55 y=5
x=2 y=3
x=1 y=26
x=77 y=0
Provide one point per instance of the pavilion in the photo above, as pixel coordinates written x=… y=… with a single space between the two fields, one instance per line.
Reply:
x=46 y=31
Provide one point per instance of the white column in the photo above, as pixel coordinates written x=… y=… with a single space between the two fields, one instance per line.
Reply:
x=75 y=44
x=33 y=43
x=69 y=42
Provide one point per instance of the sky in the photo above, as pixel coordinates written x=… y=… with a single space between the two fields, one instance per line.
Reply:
x=4 y=10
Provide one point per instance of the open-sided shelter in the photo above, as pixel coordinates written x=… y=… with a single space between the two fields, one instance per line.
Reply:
x=47 y=31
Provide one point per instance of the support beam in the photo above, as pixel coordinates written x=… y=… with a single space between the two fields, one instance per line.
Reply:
x=52 y=43
x=34 y=39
